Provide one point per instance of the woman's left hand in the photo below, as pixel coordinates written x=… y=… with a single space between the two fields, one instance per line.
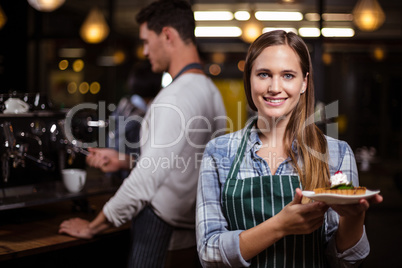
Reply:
x=351 y=221
x=354 y=210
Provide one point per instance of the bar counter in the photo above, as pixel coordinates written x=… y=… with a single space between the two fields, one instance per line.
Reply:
x=29 y=231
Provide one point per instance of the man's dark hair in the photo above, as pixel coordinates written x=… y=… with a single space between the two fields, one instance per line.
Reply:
x=174 y=13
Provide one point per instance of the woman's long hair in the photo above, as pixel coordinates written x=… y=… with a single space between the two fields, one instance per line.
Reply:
x=310 y=157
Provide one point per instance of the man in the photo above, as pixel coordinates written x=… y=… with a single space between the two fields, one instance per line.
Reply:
x=160 y=192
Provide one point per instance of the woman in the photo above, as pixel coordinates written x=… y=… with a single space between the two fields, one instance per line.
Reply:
x=250 y=208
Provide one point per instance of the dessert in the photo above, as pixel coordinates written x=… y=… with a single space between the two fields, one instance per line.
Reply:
x=341 y=185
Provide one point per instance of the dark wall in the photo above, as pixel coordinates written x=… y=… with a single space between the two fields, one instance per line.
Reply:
x=13 y=46
x=370 y=98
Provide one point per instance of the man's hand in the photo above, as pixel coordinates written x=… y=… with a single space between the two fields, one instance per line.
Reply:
x=76 y=227
x=84 y=229
x=107 y=159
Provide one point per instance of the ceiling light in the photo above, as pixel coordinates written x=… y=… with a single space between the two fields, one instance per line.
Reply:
x=278 y=16
x=312 y=16
x=338 y=32
x=78 y=65
x=214 y=69
x=46 y=5
x=242 y=15
x=229 y=31
x=379 y=53
x=94 y=88
x=94 y=29
x=309 y=32
x=83 y=88
x=240 y=65
x=329 y=16
x=213 y=15
x=72 y=87
x=326 y=58
x=218 y=57
x=337 y=17
x=63 y=64
x=251 y=29
x=368 y=15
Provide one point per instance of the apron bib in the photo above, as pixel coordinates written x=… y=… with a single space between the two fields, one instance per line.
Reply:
x=251 y=201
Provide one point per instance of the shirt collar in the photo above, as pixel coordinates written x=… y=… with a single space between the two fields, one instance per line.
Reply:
x=254 y=143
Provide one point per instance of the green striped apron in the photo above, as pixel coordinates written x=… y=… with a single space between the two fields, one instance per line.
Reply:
x=251 y=201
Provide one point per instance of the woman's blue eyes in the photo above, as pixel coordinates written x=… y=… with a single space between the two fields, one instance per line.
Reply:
x=286 y=76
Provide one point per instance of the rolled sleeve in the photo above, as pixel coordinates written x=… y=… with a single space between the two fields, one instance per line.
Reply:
x=230 y=249
x=351 y=257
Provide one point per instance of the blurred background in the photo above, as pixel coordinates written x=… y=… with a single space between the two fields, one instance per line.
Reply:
x=356 y=46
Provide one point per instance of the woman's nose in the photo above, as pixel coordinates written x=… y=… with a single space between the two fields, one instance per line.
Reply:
x=274 y=87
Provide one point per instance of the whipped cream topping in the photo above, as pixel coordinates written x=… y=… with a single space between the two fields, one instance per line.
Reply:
x=339 y=178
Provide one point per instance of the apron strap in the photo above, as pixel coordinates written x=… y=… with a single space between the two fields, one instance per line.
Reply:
x=234 y=169
x=194 y=65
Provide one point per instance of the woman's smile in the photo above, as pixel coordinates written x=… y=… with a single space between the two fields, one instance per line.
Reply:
x=274 y=101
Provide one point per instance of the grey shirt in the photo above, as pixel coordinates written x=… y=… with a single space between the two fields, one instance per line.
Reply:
x=181 y=120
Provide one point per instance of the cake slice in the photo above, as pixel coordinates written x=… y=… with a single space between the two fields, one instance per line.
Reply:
x=341 y=185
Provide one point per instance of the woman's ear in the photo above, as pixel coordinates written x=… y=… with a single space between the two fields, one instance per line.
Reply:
x=304 y=84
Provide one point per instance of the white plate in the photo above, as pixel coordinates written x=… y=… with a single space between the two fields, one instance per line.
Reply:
x=338 y=199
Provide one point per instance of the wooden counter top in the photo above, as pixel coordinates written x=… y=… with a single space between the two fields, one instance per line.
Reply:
x=30 y=231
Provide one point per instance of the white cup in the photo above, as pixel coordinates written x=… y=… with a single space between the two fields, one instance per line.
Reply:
x=74 y=179
x=15 y=106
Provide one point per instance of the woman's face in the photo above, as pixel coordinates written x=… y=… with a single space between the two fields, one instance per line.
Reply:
x=277 y=82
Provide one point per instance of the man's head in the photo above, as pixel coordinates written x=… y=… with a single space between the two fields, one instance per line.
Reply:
x=174 y=13
x=163 y=25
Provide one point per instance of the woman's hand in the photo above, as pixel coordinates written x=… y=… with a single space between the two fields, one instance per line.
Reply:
x=77 y=228
x=351 y=221
x=355 y=210
x=295 y=218
x=298 y=218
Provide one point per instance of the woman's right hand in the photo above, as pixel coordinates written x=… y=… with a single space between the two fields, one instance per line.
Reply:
x=295 y=218
x=298 y=218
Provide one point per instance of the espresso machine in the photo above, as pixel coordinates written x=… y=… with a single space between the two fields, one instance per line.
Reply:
x=35 y=149
x=38 y=144
x=30 y=151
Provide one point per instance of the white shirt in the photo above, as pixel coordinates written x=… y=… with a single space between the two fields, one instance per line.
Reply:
x=183 y=117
